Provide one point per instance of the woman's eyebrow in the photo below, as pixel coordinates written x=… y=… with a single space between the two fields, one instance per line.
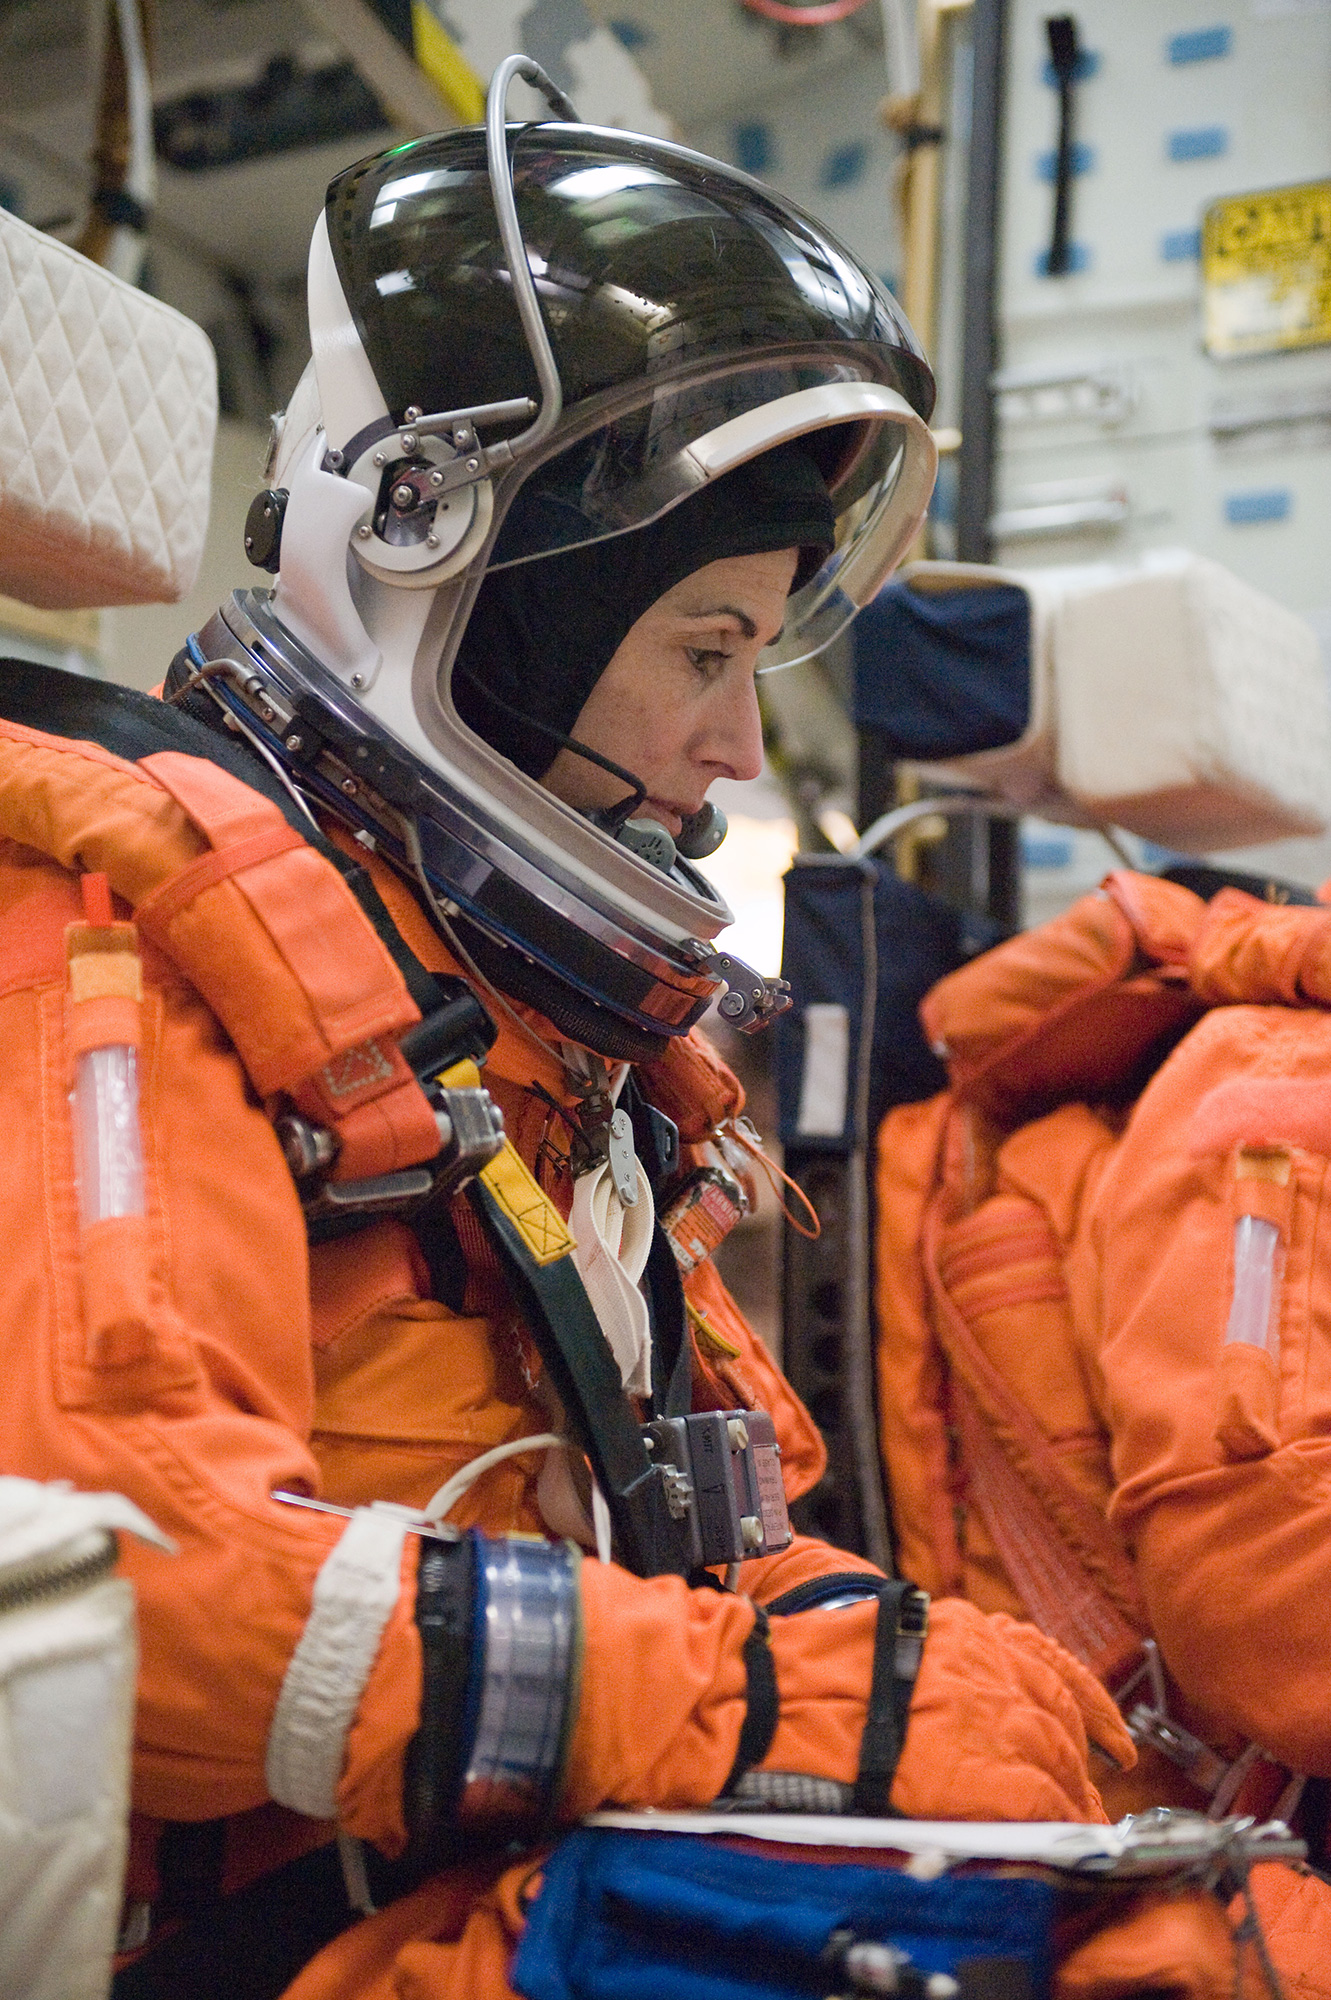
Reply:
x=742 y=618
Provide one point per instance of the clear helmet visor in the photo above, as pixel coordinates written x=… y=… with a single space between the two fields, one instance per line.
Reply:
x=871 y=446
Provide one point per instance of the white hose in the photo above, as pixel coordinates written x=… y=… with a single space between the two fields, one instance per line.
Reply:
x=441 y=1504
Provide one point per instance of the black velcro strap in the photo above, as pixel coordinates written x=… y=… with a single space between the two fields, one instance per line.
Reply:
x=764 y=1701
x=445 y=1600
x=898 y=1639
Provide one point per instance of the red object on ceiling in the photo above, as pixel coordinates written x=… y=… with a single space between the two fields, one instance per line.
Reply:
x=791 y=14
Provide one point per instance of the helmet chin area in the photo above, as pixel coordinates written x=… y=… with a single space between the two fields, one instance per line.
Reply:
x=544 y=934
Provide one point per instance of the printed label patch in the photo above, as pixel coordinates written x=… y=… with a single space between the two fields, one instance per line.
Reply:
x=356 y=1069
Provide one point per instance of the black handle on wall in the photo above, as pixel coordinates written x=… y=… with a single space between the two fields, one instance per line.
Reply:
x=1063 y=57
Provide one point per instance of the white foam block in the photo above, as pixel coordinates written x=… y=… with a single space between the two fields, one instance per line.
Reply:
x=1192 y=709
x=108 y=411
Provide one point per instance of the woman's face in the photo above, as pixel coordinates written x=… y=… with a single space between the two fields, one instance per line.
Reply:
x=677 y=704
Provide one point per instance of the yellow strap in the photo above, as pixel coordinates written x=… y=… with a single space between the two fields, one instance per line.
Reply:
x=444 y=63
x=709 y=1340
x=516 y=1189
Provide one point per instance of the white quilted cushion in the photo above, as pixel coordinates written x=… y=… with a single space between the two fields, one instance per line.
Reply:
x=1168 y=698
x=1192 y=709
x=108 y=410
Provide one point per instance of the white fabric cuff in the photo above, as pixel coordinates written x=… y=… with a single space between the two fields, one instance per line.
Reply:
x=354 y=1596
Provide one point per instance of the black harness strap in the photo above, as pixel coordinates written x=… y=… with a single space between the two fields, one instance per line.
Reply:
x=672 y=1350
x=898 y=1641
x=553 y=1300
x=764 y=1702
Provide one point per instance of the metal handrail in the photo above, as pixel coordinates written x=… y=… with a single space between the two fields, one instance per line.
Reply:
x=900 y=817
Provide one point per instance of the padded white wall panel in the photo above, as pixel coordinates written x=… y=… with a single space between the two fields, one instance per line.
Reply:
x=108 y=410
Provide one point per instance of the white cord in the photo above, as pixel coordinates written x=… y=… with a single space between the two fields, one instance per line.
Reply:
x=602 y=1524
x=441 y=1504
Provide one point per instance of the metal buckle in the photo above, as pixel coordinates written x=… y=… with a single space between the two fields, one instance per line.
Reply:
x=471 y=1132
x=1150 y=1723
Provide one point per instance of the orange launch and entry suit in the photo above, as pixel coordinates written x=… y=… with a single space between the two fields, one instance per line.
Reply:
x=200 y=1356
x=1080 y=1424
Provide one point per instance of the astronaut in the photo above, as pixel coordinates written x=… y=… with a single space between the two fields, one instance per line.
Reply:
x=404 y=1328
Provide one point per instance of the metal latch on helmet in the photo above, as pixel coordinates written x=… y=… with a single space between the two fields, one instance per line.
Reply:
x=749 y=1001
x=457 y=428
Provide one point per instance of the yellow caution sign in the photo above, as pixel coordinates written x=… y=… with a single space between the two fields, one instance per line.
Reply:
x=1266 y=270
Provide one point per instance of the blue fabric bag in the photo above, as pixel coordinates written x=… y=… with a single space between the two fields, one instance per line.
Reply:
x=859 y=937
x=658 y=1916
x=943 y=674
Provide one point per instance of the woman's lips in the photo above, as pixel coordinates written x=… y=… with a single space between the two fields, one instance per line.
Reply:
x=671 y=817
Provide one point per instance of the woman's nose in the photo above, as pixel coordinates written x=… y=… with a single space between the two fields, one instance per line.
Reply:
x=736 y=738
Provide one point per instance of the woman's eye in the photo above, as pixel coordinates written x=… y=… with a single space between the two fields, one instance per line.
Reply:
x=706 y=659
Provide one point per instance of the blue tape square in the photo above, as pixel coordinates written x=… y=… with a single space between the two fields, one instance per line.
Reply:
x=1086 y=65
x=1205 y=142
x=1079 y=259
x=1263 y=503
x=1046 y=850
x=1199 y=45
x=1082 y=162
x=1181 y=246
x=844 y=165
x=755 y=151
x=631 y=35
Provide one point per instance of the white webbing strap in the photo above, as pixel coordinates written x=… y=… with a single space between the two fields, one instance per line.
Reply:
x=613 y=1243
x=354 y=1596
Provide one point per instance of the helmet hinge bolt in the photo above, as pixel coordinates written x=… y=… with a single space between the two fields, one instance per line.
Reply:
x=404 y=496
x=473 y=465
x=295 y=741
x=408 y=441
x=364 y=531
x=412 y=414
x=380 y=458
x=432 y=540
x=350 y=787
x=436 y=477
